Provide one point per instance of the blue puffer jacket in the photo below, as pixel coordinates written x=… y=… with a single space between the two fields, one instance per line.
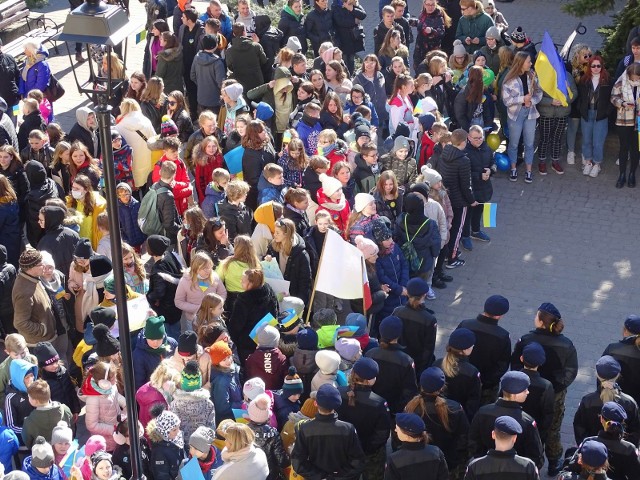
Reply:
x=283 y=407
x=10 y=445
x=145 y=361
x=38 y=74
x=128 y=216
x=393 y=270
x=55 y=472
x=226 y=392
x=350 y=107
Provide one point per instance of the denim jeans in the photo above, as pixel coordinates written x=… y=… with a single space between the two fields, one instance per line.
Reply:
x=572 y=131
x=594 y=133
x=526 y=128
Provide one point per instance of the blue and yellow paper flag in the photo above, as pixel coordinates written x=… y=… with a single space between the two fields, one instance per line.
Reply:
x=140 y=36
x=239 y=415
x=233 y=160
x=71 y=458
x=489 y=215
x=16 y=110
x=268 y=319
x=192 y=470
x=552 y=75
x=345 y=331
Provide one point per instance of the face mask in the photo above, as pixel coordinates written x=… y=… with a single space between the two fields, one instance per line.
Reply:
x=78 y=195
x=203 y=277
x=186 y=226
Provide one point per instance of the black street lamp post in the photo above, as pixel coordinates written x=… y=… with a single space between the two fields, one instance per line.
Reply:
x=95 y=23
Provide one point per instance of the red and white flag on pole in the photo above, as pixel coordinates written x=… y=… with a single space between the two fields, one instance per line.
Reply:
x=342 y=271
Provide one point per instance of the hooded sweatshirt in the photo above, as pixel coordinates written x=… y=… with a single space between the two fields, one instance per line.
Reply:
x=17 y=406
x=58 y=240
x=41 y=189
x=81 y=131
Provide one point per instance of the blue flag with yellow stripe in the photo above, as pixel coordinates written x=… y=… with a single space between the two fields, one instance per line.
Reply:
x=551 y=72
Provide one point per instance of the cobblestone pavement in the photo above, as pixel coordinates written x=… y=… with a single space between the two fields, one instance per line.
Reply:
x=570 y=240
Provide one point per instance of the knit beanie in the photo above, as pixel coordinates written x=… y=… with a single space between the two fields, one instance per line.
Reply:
x=100 y=265
x=157 y=245
x=427 y=120
x=309 y=408
x=168 y=127
x=357 y=320
x=362 y=131
x=458 y=49
x=330 y=185
x=46 y=354
x=219 y=351
x=400 y=143
x=110 y=284
x=348 y=348
x=268 y=337
x=234 y=91
x=430 y=175
x=94 y=444
x=253 y=387
x=16 y=474
x=259 y=409
x=165 y=423
x=518 y=35
x=366 y=246
x=188 y=343
x=106 y=344
x=202 y=439
x=307 y=339
x=294 y=44
x=83 y=249
x=103 y=315
x=41 y=453
x=362 y=200
x=98 y=457
x=380 y=231
x=292 y=383
x=61 y=433
x=154 y=328
x=492 y=32
x=328 y=361
x=31 y=258
x=191 y=377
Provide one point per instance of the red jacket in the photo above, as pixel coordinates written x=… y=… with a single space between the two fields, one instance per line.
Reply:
x=182 y=188
x=426 y=150
x=339 y=212
x=270 y=365
x=203 y=174
x=334 y=157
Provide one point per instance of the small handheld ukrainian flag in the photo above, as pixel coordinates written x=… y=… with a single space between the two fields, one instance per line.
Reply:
x=551 y=72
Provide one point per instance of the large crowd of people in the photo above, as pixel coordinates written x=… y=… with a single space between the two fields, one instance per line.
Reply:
x=236 y=149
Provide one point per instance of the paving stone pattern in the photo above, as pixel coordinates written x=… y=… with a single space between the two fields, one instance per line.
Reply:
x=569 y=239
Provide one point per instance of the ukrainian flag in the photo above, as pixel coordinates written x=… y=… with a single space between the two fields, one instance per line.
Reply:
x=551 y=72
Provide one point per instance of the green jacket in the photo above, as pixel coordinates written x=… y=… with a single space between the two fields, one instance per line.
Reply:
x=474 y=27
x=325 y=336
x=42 y=420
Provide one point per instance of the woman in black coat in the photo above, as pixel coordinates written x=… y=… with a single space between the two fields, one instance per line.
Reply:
x=12 y=168
x=292 y=23
x=257 y=300
x=258 y=151
x=469 y=107
x=347 y=17
x=58 y=240
x=177 y=110
x=297 y=269
x=319 y=25
x=9 y=221
x=482 y=167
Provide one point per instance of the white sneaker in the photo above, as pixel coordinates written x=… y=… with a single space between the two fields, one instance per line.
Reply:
x=595 y=170
x=586 y=169
x=431 y=295
x=571 y=158
x=584 y=162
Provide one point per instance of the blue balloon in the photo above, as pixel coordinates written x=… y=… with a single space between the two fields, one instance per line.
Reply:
x=502 y=161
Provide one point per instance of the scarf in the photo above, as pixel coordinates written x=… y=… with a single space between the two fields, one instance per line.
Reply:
x=238 y=455
x=288 y=9
x=31 y=61
x=309 y=120
x=102 y=391
x=90 y=299
x=337 y=207
x=161 y=350
x=627 y=90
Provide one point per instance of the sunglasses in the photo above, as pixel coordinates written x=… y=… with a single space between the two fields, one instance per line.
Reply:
x=595 y=65
x=588 y=55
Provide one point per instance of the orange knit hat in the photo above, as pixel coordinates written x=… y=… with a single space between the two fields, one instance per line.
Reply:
x=219 y=351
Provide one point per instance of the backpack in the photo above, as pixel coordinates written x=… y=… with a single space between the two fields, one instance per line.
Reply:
x=409 y=251
x=148 y=218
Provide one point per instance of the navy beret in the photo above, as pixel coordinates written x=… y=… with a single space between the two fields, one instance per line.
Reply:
x=390 y=328
x=462 y=338
x=508 y=425
x=514 y=382
x=432 y=380
x=594 y=453
x=366 y=368
x=607 y=367
x=410 y=423
x=533 y=354
x=328 y=397
x=417 y=287
x=632 y=323
x=614 y=412
x=496 y=305
x=550 y=308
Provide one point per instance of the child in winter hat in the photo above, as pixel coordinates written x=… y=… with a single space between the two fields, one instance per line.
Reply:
x=268 y=362
x=287 y=399
x=40 y=464
x=165 y=430
x=329 y=372
x=360 y=321
x=251 y=389
x=325 y=323
x=201 y=447
x=61 y=438
x=304 y=357
x=191 y=402
x=226 y=392
x=122 y=454
x=259 y=409
x=349 y=351
x=95 y=443
x=103 y=468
